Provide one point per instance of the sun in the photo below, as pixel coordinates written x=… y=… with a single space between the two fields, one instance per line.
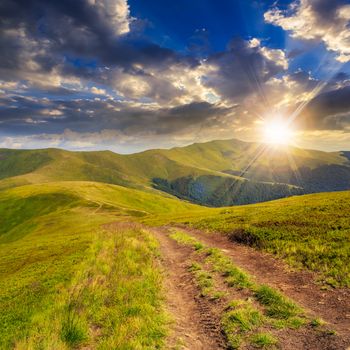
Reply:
x=278 y=132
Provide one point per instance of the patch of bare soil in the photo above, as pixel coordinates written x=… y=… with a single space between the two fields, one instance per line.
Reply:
x=332 y=305
x=196 y=326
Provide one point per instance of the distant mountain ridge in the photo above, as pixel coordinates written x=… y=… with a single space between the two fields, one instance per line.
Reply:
x=215 y=173
x=346 y=154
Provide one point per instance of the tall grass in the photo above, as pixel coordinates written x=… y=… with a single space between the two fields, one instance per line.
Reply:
x=113 y=302
x=64 y=282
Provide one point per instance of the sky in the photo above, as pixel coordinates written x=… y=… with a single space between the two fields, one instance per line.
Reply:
x=130 y=75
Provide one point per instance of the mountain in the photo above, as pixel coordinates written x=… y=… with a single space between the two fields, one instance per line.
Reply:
x=216 y=173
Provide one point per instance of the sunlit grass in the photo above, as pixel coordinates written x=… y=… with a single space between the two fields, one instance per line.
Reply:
x=263 y=340
x=310 y=231
x=277 y=305
x=114 y=301
x=65 y=282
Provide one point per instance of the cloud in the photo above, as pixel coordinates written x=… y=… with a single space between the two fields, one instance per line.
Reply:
x=329 y=111
x=324 y=20
x=243 y=69
x=327 y=140
x=25 y=116
x=85 y=67
x=97 y=91
x=43 y=41
x=168 y=85
x=115 y=12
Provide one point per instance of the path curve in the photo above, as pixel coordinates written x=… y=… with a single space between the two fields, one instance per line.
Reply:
x=332 y=305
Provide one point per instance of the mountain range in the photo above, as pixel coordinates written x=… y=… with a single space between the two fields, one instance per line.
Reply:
x=215 y=173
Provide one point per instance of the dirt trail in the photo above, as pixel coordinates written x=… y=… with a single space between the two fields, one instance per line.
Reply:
x=331 y=305
x=195 y=328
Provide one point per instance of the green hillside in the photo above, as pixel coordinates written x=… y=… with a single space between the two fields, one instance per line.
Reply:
x=51 y=241
x=216 y=173
x=75 y=263
x=309 y=231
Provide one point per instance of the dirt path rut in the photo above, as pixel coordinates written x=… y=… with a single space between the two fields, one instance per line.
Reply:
x=332 y=305
x=194 y=328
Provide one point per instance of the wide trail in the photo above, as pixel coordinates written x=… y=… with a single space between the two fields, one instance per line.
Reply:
x=196 y=319
x=332 y=305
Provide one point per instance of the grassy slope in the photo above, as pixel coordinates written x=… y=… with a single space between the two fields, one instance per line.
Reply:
x=138 y=170
x=135 y=171
x=48 y=228
x=234 y=154
x=216 y=173
x=311 y=231
x=112 y=301
x=46 y=233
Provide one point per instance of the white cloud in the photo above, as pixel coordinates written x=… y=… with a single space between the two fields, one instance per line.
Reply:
x=97 y=91
x=116 y=12
x=324 y=20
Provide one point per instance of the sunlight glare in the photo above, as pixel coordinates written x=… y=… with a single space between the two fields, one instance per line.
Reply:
x=277 y=132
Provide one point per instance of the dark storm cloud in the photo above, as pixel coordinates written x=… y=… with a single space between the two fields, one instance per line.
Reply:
x=329 y=110
x=25 y=116
x=45 y=32
x=325 y=10
x=182 y=117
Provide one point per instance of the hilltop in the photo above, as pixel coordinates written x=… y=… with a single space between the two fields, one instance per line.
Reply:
x=215 y=173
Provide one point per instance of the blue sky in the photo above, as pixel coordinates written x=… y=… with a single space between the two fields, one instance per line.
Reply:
x=175 y=23
x=128 y=75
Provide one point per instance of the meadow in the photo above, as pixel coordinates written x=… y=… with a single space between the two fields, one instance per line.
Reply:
x=310 y=231
x=66 y=279
x=80 y=266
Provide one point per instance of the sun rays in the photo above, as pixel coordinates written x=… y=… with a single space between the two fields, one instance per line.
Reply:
x=277 y=132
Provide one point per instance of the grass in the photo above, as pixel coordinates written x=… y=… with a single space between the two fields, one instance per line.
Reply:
x=277 y=305
x=311 y=231
x=317 y=322
x=205 y=282
x=239 y=321
x=186 y=239
x=72 y=331
x=60 y=274
x=243 y=317
x=33 y=269
x=124 y=298
x=204 y=279
x=263 y=340
x=114 y=301
x=234 y=276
